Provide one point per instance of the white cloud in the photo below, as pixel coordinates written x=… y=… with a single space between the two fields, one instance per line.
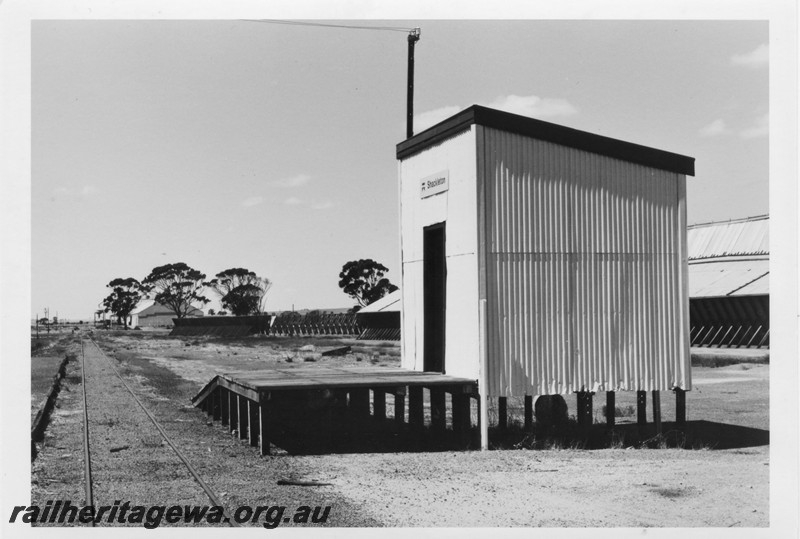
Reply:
x=252 y=201
x=756 y=58
x=60 y=191
x=528 y=105
x=292 y=201
x=759 y=129
x=322 y=205
x=432 y=117
x=534 y=106
x=717 y=127
x=292 y=181
x=88 y=190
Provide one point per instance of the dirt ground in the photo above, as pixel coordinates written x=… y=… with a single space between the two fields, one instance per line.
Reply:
x=721 y=479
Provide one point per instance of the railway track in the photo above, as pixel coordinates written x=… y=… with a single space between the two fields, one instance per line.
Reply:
x=108 y=432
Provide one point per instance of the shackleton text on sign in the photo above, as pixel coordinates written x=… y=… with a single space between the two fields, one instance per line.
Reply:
x=434 y=184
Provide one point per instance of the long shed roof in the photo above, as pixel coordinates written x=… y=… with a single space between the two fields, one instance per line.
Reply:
x=742 y=237
x=729 y=278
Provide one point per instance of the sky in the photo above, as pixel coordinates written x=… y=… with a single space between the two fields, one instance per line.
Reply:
x=233 y=143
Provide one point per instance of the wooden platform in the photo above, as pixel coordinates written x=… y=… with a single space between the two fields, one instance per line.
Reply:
x=245 y=400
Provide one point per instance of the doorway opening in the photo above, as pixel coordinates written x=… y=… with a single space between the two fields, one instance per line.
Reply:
x=434 y=272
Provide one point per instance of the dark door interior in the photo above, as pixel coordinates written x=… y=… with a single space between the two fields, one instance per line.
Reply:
x=434 y=271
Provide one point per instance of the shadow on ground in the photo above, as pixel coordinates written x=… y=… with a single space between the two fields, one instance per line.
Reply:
x=696 y=435
x=327 y=433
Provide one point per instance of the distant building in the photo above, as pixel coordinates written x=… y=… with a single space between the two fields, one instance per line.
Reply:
x=729 y=283
x=151 y=314
x=381 y=319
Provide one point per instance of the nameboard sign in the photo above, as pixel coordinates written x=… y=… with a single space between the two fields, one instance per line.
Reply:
x=435 y=184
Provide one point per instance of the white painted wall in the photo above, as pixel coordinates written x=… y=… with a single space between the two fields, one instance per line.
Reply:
x=456 y=207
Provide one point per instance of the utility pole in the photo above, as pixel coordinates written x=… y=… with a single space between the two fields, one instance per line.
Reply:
x=413 y=37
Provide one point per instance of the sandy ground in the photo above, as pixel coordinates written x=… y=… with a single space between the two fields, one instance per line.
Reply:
x=608 y=488
x=548 y=488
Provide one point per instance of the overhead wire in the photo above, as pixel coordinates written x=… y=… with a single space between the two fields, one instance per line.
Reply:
x=330 y=25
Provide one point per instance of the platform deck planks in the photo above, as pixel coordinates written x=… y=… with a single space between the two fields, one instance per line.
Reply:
x=256 y=385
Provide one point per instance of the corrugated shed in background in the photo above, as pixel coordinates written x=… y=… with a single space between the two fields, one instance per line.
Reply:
x=584 y=271
x=744 y=237
x=389 y=302
x=729 y=258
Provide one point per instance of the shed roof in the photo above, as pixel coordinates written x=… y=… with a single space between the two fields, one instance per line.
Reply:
x=547 y=131
x=388 y=303
x=741 y=237
x=149 y=307
x=728 y=278
x=143 y=305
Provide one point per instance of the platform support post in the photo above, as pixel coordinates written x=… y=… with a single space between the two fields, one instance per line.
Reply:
x=528 y=412
x=359 y=402
x=657 y=410
x=252 y=422
x=416 y=412
x=223 y=401
x=611 y=404
x=216 y=397
x=462 y=416
x=483 y=420
x=502 y=413
x=262 y=429
x=438 y=409
x=242 y=416
x=233 y=411
x=400 y=406
x=680 y=408
x=641 y=408
x=379 y=404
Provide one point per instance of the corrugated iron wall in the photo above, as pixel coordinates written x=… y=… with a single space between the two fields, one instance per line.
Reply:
x=585 y=271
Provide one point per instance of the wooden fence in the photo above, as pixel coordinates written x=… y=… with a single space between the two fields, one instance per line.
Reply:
x=313 y=323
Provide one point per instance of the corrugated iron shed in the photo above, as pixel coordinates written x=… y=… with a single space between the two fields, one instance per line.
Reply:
x=729 y=258
x=541 y=259
x=729 y=283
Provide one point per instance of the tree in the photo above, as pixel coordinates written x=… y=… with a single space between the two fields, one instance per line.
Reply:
x=176 y=286
x=241 y=291
x=364 y=281
x=125 y=296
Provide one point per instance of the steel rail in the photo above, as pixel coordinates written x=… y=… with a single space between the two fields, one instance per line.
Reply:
x=87 y=463
x=192 y=471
